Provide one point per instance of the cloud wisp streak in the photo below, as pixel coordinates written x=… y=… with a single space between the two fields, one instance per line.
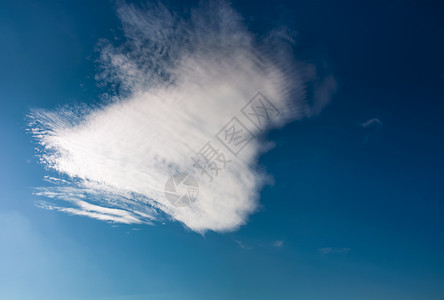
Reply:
x=370 y=128
x=180 y=79
x=330 y=250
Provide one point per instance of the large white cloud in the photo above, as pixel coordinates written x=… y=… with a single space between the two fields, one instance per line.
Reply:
x=180 y=79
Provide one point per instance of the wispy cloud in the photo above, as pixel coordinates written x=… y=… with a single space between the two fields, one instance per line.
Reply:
x=370 y=127
x=179 y=79
x=242 y=245
x=278 y=244
x=372 y=123
x=330 y=250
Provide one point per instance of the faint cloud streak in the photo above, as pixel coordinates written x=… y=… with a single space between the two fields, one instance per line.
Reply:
x=330 y=250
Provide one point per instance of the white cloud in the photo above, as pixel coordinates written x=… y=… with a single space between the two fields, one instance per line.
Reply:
x=370 y=127
x=242 y=245
x=330 y=250
x=374 y=123
x=180 y=80
x=278 y=244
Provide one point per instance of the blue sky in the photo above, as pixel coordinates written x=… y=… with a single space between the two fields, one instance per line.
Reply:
x=354 y=210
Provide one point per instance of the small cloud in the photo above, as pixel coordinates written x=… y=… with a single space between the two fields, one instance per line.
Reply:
x=374 y=123
x=370 y=127
x=242 y=245
x=330 y=250
x=278 y=244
